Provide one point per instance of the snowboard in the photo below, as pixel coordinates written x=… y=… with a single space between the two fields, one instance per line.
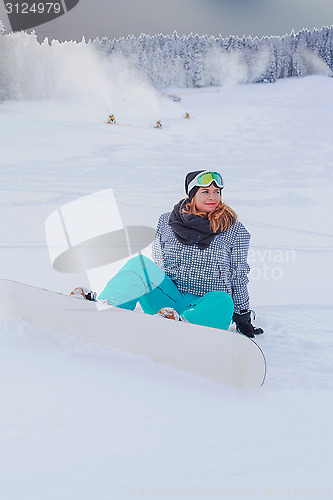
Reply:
x=221 y=356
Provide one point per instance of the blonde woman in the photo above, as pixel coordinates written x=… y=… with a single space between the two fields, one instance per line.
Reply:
x=200 y=268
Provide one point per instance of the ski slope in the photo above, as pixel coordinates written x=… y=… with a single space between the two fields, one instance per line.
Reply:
x=81 y=421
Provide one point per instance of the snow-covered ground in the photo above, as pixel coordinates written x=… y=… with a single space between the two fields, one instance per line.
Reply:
x=84 y=422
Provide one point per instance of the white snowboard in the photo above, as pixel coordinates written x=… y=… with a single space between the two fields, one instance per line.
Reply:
x=222 y=356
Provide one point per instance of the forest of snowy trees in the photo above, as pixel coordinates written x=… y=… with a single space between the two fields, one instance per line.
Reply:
x=33 y=70
x=199 y=61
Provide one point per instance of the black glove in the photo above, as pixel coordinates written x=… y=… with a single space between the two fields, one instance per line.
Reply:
x=244 y=325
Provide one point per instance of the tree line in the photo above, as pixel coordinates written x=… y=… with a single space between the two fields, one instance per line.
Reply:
x=199 y=61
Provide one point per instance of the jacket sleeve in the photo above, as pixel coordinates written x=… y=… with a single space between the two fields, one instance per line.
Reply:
x=240 y=269
x=157 y=254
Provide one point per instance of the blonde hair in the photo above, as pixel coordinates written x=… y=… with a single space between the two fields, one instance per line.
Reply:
x=220 y=219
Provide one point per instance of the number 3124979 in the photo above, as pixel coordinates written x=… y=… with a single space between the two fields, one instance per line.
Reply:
x=35 y=8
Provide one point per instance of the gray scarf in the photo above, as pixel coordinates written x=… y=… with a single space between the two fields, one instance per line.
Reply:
x=191 y=229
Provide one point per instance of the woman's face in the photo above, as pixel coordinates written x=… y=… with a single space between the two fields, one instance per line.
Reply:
x=206 y=199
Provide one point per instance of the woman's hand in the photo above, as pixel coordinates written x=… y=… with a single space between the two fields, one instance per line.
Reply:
x=244 y=325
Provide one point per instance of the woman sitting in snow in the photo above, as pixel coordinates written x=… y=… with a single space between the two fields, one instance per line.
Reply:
x=199 y=273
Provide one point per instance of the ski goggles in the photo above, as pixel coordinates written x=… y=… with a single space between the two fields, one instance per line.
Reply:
x=204 y=179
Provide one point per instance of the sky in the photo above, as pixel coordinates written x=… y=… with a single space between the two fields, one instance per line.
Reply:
x=114 y=18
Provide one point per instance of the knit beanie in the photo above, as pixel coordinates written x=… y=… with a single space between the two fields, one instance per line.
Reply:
x=189 y=177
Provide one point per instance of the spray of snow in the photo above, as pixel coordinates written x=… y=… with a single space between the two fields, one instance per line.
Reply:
x=230 y=68
x=96 y=84
x=310 y=63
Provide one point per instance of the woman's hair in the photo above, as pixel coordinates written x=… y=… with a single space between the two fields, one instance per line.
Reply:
x=222 y=218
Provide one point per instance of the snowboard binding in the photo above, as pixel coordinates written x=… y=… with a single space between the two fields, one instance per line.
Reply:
x=83 y=293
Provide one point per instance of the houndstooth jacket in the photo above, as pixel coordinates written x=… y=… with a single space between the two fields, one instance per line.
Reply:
x=221 y=266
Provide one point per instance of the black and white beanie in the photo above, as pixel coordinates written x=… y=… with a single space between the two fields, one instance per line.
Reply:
x=189 y=177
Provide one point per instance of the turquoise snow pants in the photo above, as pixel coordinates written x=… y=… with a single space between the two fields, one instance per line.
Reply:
x=141 y=280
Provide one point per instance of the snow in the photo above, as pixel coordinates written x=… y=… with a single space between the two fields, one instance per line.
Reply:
x=84 y=421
